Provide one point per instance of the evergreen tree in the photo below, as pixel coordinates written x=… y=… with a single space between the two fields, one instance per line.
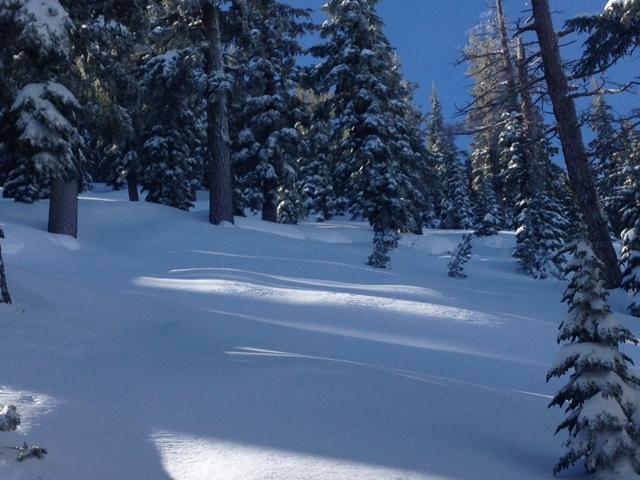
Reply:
x=42 y=143
x=605 y=147
x=371 y=134
x=316 y=182
x=601 y=394
x=486 y=210
x=514 y=163
x=113 y=33
x=266 y=142
x=630 y=255
x=459 y=257
x=173 y=88
x=455 y=209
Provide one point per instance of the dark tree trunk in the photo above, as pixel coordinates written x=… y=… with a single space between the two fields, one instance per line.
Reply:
x=63 y=207
x=580 y=175
x=270 y=201
x=4 y=290
x=220 y=189
x=132 y=185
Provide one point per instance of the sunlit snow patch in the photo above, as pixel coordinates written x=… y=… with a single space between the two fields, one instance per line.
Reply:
x=31 y=406
x=189 y=458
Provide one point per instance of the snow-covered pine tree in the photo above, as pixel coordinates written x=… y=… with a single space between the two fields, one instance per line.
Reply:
x=371 y=134
x=515 y=176
x=455 y=208
x=316 y=182
x=604 y=148
x=43 y=144
x=630 y=254
x=4 y=289
x=173 y=88
x=460 y=256
x=602 y=393
x=107 y=45
x=486 y=210
x=265 y=141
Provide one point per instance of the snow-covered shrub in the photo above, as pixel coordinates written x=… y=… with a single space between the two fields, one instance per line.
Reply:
x=9 y=418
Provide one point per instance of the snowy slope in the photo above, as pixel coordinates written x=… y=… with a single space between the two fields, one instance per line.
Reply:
x=161 y=347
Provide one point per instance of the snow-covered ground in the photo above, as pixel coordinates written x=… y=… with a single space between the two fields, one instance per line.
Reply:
x=160 y=347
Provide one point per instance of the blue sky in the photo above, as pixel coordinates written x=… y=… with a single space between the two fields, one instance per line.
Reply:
x=428 y=35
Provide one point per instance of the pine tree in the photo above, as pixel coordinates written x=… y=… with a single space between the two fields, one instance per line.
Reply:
x=316 y=181
x=513 y=161
x=630 y=255
x=606 y=168
x=486 y=210
x=265 y=141
x=459 y=257
x=455 y=209
x=173 y=87
x=601 y=395
x=371 y=133
x=107 y=45
x=43 y=144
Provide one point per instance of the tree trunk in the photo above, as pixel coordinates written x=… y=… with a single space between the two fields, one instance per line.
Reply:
x=270 y=200
x=526 y=100
x=4 y=290
x=580 y=175
x=132 y=185
x=220 y=189
x=507 y=62
x=63 y=207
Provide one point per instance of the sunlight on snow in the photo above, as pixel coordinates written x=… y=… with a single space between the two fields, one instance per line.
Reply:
x=190 y=458
x=310 y=297
x=31 y=406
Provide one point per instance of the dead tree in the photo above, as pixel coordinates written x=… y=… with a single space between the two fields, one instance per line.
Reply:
x=575 y=155
x=220 y=189
x=4 y=290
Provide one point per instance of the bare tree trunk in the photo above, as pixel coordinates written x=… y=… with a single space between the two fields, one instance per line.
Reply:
x=580 y=175
x=526 y=100
x=63 y=207
x=507 y=62
x=220 y=188
x=4 y=290
x=132 y=185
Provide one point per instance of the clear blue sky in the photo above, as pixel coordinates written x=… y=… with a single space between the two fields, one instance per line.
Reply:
x=428 y=35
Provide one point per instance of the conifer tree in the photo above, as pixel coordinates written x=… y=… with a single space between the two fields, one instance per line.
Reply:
x=43 y=144
x=515 y=176
x=173 y=87
x=601 y=395
x=459 y=257
x=266 y=142
x=604 y=148
x=371 y=133
x=316 y=182
x=455 y=209
x=630 y=255
x=107 y=45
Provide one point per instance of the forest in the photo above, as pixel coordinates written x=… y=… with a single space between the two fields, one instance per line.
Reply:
x=204 y=213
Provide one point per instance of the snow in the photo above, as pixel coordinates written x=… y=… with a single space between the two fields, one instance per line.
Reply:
x=161 y=347
x=47 y=22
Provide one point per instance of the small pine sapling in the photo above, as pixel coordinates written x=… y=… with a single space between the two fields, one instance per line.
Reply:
x=459 y=257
